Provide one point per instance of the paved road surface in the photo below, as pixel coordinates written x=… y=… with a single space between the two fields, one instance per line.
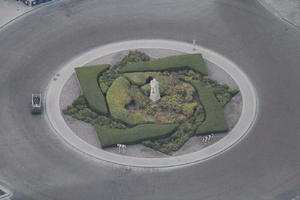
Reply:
x=38 y=165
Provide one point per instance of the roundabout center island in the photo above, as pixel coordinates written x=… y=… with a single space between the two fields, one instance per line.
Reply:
x=169 y=106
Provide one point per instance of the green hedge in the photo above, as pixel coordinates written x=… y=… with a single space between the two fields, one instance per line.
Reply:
x=189 y=61
x=119 y=95
x=110 y=136
x=215 y=120
x=87 y=77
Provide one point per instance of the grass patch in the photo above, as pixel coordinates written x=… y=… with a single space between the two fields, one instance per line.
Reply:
x=109 y=136
x=190 y=61
x=87 y=77
x=215 y=120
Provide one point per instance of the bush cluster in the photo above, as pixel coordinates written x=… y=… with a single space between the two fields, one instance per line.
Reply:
x=106 y=79
x=222 y=92
x=187 y=75
x=132 y=57
x=120 y=94
x=215 y=120
x=184 y=132
x=111 y=136
x=189 y=100
x=80 y=110
x=174 y=142
x=194 y=62
x=87 y=77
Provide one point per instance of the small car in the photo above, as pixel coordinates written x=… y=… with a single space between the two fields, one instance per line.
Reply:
x=36 y=103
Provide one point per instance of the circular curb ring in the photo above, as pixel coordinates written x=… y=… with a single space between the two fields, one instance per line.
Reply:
x=247 y=119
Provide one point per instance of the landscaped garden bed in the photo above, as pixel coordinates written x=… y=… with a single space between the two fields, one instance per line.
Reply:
x=116 y=101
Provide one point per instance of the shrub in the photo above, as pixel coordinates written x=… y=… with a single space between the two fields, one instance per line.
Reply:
x=79 y=101
x=188 y=108
x=171 y=103
x=215 y=120
x=121 y=94
x=70 y=110
x=106 y=79
x=174 y=142
x=132 y=57
x=85 y=115
x=223 y=92
x=190 y=61
x=111 y=136
x=137 y=95
x=105 y=121
x=87 y=77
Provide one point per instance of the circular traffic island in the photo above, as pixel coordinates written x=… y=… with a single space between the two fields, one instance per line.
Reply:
x=134 y=103
x=116 y=101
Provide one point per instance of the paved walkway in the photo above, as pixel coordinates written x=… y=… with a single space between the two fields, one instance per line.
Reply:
x=287 y=10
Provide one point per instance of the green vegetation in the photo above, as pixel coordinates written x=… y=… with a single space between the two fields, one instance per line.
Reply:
x=116 y=101
x=106 y=79
x=190 y=61
x=87 y=77
x=215 y=120
x=187 y=75
x=222 y=92
x=184 y=132
x=109 y=136
x=132 y=57
x=81 y=111
x=120 y=94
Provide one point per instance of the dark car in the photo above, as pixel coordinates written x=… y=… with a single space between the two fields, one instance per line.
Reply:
x=36 y=103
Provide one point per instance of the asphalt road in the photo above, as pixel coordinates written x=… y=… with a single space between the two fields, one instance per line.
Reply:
x=37 y=164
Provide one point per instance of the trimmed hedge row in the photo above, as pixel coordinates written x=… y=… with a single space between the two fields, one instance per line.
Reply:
x=121 y=94
x=215 y=120
x=110 y=136
x=190 y=61
x=87 y=77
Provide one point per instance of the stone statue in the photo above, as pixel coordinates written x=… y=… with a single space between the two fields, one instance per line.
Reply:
x=154 y=93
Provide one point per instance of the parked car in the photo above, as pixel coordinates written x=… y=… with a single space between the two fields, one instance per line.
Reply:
x=36 y=103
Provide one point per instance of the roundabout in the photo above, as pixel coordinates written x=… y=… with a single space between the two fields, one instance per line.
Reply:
x=37 y=162
x=56 y=120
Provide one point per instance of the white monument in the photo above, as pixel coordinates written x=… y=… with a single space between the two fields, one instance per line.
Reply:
x=154 y=93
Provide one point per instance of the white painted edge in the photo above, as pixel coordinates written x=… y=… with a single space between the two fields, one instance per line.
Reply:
x=7 y=194
x=248 y=115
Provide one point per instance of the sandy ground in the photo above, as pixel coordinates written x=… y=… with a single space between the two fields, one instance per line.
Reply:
x=87 y=132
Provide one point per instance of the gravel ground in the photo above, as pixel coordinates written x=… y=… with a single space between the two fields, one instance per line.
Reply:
x=86 y=132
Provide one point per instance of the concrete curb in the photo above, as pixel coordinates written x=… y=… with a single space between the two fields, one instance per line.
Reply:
x=27 y=12
x=7 y=194
x=247 y=119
